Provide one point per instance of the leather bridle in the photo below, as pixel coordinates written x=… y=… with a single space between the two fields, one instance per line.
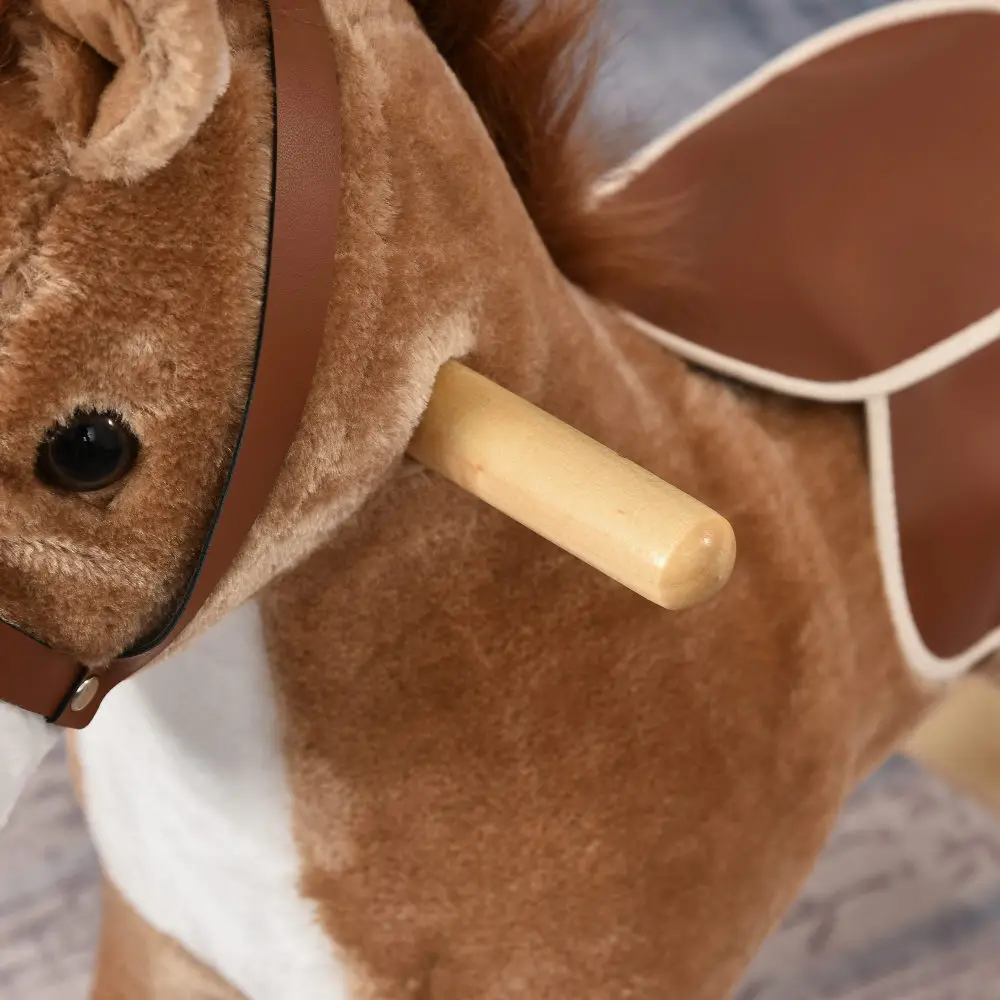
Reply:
x=302 y=245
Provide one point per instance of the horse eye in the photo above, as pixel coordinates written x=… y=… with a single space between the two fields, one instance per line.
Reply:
x=91 y=452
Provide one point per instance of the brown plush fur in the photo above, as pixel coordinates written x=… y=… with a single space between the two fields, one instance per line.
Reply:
x=512 y=778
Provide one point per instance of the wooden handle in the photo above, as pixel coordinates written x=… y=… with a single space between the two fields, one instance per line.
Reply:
x=607 y=511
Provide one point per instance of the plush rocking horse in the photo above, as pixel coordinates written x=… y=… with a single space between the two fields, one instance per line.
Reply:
x=264 y=269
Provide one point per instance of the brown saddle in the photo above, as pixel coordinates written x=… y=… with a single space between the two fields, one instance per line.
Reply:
x=839 y=218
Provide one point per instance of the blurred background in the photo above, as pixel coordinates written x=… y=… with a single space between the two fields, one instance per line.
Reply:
x=904 y=905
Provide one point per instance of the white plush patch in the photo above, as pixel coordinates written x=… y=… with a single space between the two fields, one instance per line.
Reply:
x=186 y=793
x=24 y=742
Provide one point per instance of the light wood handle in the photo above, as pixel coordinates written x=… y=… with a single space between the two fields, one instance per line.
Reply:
x=602 y=508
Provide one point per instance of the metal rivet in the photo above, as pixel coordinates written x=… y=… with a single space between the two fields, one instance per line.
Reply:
x=85 y=694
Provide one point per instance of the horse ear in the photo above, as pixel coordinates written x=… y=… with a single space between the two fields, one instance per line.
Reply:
x=170 y=63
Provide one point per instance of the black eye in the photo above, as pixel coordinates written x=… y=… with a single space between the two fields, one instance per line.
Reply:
x=92 y=451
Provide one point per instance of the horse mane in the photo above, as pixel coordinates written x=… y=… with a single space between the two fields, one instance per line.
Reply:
x=6 y=34
x=530 y=73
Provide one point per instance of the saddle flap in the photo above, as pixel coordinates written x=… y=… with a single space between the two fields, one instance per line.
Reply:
x=837 y=220
x=944 y=433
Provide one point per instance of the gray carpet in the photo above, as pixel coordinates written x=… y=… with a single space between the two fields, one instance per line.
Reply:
x=49 y=893
x=904 y=905
x=669 y=57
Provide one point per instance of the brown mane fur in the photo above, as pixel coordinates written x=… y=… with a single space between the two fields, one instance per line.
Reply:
x=530 y=73
x=6 y=35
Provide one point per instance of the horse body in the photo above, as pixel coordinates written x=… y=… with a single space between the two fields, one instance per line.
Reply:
x=433 y=756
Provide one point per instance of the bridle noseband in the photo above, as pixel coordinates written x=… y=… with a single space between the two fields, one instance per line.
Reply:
x=301 y=252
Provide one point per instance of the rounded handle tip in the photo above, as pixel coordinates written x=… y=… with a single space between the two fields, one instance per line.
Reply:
x=700 y=565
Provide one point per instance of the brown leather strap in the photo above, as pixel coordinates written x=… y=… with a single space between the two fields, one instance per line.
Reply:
x=302 y=249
